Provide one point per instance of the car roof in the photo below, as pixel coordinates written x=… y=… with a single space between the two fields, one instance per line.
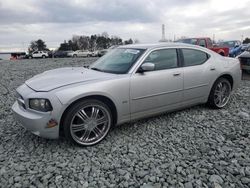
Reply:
x=160 y=45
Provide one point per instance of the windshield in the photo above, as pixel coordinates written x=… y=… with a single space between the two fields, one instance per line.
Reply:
x=229 y=44
x=118 y=60
x=188 y=41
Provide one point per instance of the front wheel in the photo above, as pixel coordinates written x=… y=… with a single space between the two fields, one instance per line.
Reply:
x=74 y=55
x=43 y=57
x=220 y=93
x=87 y=122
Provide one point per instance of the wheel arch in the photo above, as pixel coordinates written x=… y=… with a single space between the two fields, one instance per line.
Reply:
x=102 y=98
x=222 y=53
x=228 y=77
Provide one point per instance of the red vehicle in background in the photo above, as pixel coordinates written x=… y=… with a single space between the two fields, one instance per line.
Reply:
x=207 y=43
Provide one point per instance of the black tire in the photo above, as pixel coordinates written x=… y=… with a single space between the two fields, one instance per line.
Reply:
x=43 y=56
x=74 y=55
x=212 y=99
x=76 y=129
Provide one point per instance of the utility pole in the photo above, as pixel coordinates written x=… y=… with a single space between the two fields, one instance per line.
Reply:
x=163 y=37
x=163 y=32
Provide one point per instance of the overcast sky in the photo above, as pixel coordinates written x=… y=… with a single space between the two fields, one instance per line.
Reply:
x=57 y=20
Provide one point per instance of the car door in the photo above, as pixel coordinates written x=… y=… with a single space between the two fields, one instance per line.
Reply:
x=82 y=53
x=40 y=54
x=199 y=72
x=158 y=90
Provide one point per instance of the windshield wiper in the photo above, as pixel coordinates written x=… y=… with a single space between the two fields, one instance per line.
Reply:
x=94 y=68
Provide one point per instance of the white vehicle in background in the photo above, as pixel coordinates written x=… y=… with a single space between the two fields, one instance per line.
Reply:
x=39 y=54
x=80 y=53
x=104 y=51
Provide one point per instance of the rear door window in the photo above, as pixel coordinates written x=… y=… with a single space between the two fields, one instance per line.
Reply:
x=194 y=57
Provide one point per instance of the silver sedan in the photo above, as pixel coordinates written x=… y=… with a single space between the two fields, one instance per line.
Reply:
x=128 y=83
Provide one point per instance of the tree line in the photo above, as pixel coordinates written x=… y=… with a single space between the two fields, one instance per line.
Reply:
x=83 y=42
x=92 y=43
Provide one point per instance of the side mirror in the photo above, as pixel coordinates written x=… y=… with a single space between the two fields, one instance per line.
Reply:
x=147 y=67
x=236 y=46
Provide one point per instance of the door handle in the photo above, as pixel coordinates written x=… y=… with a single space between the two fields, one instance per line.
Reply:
x=212 y=69
x=176 y=74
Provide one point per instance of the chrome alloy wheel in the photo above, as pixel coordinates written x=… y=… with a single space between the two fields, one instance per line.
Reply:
x=222 y=93
x=90 y=124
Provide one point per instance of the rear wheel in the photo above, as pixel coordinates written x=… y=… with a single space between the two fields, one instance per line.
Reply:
x=74 y=55
x=220 y=93
x=87 y=122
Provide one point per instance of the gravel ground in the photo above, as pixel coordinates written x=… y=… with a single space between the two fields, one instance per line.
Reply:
x=196 y=147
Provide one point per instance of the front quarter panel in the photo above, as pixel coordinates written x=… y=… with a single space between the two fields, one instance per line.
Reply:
x=117 y=90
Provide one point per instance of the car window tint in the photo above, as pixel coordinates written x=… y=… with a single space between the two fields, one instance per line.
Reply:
x=194 y=57
x=163 y=59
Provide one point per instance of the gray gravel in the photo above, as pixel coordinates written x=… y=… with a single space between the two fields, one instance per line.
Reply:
x=196 y=147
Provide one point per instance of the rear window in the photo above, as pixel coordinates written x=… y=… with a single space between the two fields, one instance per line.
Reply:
x=188 y=41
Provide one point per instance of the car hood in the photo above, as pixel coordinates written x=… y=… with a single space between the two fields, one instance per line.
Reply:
x=245 y=54
x=57 y=78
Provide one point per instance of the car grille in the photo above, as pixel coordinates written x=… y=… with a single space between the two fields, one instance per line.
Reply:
x=20 y=100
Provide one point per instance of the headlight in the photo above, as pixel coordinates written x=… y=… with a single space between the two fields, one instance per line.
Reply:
x=40 y=105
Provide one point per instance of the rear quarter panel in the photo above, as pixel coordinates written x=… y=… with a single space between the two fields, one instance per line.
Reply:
x=231 y=66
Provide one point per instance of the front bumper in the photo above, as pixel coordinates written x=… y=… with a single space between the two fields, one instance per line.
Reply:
x=35 y=122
